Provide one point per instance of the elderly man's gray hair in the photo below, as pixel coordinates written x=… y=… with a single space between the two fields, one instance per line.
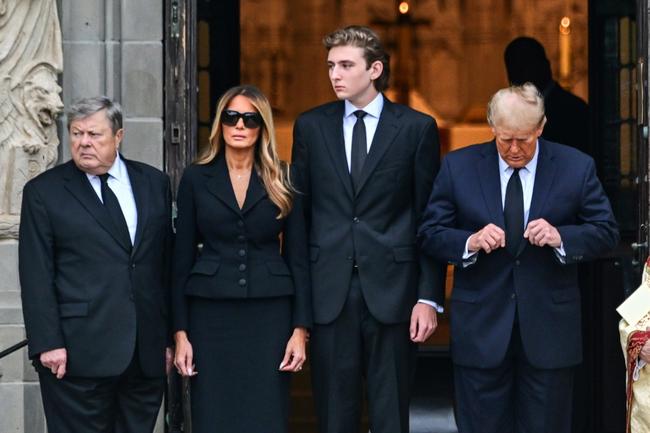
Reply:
x=88 y=106
x=517 y=107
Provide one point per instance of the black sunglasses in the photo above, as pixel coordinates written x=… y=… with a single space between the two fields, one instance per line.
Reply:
x=251 y=120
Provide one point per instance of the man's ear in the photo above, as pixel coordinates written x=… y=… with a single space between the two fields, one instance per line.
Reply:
x=376 y=69
x=118 y=138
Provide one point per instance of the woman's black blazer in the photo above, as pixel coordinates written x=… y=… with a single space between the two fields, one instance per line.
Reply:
x=242 y=254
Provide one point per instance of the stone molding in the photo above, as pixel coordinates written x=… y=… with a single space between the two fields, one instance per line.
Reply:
x=31 y=57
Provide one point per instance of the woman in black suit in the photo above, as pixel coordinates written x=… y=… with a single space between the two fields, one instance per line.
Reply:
x=241 y=302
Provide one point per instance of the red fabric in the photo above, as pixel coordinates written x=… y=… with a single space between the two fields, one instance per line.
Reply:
x=635 y=342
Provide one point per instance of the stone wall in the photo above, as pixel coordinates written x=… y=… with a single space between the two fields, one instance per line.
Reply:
x=113 y=48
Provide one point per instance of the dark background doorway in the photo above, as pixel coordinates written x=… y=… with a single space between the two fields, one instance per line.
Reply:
x=617 y=35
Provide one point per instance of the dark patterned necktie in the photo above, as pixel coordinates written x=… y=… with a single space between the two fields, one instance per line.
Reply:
x=359 y=148
x=112 y=205
x=513 y=213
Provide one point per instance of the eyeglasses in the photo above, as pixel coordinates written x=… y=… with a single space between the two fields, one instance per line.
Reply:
x=251 y=120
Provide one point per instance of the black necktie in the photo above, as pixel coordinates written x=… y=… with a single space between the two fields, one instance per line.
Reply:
x=513 y=213
x=112 y=205
x=359 y=147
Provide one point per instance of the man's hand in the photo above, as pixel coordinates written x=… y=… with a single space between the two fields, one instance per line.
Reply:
x=184 y=355
x=540 y=233
x=488 y=239
x=56 y=361
x=424 y=321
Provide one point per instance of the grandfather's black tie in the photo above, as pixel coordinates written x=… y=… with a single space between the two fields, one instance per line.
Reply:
x=112 y=205
x=359 y=148
x=513 y=213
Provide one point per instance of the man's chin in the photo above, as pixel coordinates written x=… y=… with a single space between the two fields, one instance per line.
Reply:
x=341 y=95
x=87 y=166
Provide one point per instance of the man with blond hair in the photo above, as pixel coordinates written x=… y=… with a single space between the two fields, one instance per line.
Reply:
x=515 y=216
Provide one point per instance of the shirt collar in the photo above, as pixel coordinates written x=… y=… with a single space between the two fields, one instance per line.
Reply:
x=117 y=170
x=373 y=108
x=531 y=166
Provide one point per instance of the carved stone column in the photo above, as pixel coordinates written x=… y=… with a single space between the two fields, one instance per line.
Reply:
x=31 y=58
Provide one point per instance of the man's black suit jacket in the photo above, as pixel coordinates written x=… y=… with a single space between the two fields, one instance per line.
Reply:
x=374 y=227
x=82 y=289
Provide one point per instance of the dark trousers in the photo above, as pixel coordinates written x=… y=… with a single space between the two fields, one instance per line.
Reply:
x=515 y=397
x=356 y=347
x=128 y=403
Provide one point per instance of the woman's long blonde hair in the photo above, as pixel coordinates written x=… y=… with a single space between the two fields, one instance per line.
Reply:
x=274 y=173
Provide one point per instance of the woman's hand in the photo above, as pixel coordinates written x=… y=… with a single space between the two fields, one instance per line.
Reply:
x=295 y=354
x=184 y=355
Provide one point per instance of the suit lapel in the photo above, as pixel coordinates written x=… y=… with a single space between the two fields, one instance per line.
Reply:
x=386 y=132
x=78 y=185
x=218 y=183
x=332 y=130
x=255 y=192
x=141 y=192
x=490 y=181
x=544 y=177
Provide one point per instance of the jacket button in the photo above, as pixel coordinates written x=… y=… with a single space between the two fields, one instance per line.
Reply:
x=242 y=282
x=242 y=267
x=241 y=238
x=517 y=263
x=240 y=223
x=355 y=220
x=242 y=253
x=131 y=297
x=513 y=296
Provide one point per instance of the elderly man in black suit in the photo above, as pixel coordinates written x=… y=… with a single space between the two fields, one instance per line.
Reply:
x=94 y=242
x=367 y=167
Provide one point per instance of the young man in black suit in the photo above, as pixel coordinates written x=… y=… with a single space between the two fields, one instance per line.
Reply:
x=366 y=167
x=95 y=234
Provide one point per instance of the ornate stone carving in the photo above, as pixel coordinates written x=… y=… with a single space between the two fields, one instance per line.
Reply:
x=30 y=59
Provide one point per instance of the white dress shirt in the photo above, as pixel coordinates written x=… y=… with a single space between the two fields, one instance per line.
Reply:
x=120 y=184
x=527 y=176
x=371 y=120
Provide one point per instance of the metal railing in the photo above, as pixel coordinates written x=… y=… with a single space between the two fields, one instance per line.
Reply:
x=12 y=349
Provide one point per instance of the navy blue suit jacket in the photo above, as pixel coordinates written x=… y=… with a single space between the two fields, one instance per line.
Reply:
x=535 y=285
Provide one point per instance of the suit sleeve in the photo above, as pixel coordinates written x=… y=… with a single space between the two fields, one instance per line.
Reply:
x=438 y=235
x=167 y=257
x=296 y=255
x=300 y=166
x=36 y=271
x=596 y=231
x=184 y=250
x=431 y=285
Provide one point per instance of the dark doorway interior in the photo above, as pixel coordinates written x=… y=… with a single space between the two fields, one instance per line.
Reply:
x=617 y=40
x=218 y=54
